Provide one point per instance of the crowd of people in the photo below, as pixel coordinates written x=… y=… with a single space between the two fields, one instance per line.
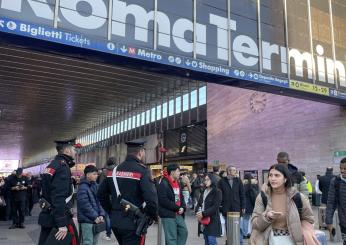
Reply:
x=18 y=194
x=121 y=198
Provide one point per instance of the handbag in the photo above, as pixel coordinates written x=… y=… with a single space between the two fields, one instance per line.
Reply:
x=97 y=228
x=280 y=240
x=205 y=221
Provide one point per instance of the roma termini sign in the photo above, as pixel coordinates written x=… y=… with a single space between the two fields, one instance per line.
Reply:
x=199 y=35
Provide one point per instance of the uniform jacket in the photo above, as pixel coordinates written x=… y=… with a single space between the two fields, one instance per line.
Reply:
x=233 y=198
x=56 y=188
x=88 y=206
x=324 y=183
x=298 y=180
x=211 y=209
x=167 y=206
x=335 y=202
x=261 y=226
x=135 y=185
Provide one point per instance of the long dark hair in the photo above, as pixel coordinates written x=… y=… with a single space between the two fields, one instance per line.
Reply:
x=213 y=180
x=284 y=170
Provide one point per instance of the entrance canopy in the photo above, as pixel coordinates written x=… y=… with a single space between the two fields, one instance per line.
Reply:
x=64 y=63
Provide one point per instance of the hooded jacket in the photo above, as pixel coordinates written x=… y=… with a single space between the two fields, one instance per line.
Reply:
x=262 y=226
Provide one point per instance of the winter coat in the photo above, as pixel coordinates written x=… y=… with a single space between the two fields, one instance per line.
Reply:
x=298 y=180
x=167 y=206
x=88 y=206
x=196 y=186
x=233 y=198
x=251 y=192
x=338 y=202
x=261 y=226
x=211 y=209
x=324 y=183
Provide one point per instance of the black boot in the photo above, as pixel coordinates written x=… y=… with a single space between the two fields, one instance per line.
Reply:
x=13 y=226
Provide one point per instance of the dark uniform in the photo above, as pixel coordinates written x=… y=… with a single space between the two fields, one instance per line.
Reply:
x=56 y=189
x=136 y=186
x=18 y=200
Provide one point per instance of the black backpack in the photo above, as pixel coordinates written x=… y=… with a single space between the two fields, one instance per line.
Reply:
x=297 y=199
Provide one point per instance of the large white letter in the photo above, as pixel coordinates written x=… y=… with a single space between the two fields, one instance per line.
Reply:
x=299 y=59
x=245 y=45
x=97 y=18
x=179 y=28
x=222 y=34
x=142 y=18
x=268 y=50
x=40 y=7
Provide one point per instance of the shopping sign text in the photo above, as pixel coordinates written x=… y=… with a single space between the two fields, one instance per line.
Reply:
x=243 y=48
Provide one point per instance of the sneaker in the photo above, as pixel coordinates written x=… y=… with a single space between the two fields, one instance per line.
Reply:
x=107 y=238
x=14 y=226
x=21 y=226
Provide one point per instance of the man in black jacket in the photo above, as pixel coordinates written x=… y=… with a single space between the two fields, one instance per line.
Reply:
x=172 y=207
x=233 y=197
x=135 y=185
x=297 y=178
x=57 y=191
x=324 y=184
x=19 y=186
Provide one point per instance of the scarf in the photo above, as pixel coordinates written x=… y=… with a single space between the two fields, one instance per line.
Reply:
x=176 y=188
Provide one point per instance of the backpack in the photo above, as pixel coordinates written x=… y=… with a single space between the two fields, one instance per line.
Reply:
x=297 y=199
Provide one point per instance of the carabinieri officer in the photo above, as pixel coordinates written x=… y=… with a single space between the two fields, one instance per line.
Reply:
x=57 y=191
x=136 y=186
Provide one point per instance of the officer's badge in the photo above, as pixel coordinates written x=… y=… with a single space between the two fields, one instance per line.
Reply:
x=50 y=171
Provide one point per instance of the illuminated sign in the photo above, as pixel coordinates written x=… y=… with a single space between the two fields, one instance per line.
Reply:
x=8 y=165
x=219 y=45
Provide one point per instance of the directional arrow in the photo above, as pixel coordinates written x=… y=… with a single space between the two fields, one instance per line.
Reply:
x=123 y=49
x=250 y=75
x=187 y=62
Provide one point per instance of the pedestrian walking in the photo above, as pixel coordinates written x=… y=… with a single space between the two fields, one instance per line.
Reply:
x=19 y=186
x=324 y=184
x=251 y=192
x=337 y=200
x=89 y=210
x=233 y=197
x=297 y=179
x=207 y=211
x=57 y=195
x=172 y=207
x=280 y=212
x=129 y=181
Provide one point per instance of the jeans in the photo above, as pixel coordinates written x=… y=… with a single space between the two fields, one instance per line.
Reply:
x=246 y=224
x=108 y=226
x=88 y=236
x=175 y=230
x=210 y=240
x=343 y=234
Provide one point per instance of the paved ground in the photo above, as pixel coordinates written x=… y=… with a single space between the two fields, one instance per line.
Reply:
x=29 y=235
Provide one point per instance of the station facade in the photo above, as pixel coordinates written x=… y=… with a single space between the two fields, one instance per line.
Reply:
x=241 y=80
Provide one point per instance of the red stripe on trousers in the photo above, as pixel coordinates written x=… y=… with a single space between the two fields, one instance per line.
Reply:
x=71 y=230
x=142 y=242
